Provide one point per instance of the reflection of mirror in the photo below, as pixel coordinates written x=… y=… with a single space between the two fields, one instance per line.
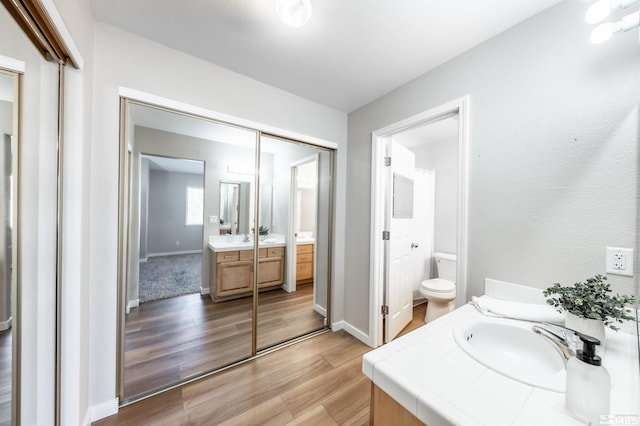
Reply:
x=229 y=207
x=266 y=201
x=235 y=207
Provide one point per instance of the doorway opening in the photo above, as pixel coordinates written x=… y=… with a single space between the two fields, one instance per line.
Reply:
x=171 y=219
x=419 y=187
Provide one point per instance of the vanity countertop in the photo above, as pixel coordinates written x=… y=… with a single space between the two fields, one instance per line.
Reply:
x=220 y=244
x=302 y=241
x=431 y=377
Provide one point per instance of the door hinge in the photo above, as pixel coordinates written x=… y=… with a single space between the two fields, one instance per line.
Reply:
x=387 y=161
x=384 y=310
x=386 y=235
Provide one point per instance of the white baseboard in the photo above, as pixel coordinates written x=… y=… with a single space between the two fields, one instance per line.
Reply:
x=102 y=410
x=141 y=260
x=5 y=325
x=132 y=304
x=358 y=334
x=173 y=253
x=87 y=418
x=319 y=309
x=204 y=291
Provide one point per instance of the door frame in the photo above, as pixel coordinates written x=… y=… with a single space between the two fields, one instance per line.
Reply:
x=293 y=210
x=378 y=194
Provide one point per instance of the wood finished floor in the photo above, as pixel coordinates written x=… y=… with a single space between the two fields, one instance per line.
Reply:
x=172 y=339
x=318 y=381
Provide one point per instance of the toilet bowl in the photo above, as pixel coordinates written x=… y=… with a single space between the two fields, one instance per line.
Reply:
x=440 y=292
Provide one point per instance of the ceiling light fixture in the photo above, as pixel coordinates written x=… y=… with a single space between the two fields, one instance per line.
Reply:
x=294 y=13
x=601 y=9
x=603 y=32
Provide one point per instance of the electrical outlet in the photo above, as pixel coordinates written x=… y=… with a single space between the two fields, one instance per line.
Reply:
x=213 y=219
x=177 y=243
x=620 y=261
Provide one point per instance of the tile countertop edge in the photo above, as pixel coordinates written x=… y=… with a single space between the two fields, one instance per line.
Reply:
x=434 y=409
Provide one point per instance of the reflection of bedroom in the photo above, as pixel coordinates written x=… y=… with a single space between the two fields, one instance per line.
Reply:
x=191 y=249
x=171 y=201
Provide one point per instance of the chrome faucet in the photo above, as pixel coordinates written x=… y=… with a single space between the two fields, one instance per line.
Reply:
x=561 y=337
x=246 y=238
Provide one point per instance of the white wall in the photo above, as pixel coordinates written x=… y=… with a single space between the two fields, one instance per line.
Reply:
x=126 y=60
x=553 y=155
x=167 y=213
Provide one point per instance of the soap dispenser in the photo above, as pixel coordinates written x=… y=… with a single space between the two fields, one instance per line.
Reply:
x=588 y=389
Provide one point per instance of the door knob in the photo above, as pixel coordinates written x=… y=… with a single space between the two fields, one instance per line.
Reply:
x=414 y=245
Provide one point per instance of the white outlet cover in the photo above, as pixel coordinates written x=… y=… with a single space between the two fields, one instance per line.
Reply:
x=614 y=266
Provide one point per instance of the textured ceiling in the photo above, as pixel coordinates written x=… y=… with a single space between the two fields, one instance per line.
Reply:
x=350 y=53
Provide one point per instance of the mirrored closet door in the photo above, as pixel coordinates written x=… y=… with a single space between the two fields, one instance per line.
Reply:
x=188 y=303
x=294 y=239
x=8 y=118
x=210 y=269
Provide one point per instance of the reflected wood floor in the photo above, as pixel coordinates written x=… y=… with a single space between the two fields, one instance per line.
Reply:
x=172 y=339
x=318 y=381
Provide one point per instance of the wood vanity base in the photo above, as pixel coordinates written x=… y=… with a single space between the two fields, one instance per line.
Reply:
x=386 y=411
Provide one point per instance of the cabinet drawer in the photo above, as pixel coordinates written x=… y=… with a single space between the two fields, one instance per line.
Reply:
x=304 y=271
x=262 y=252
x=246 y=254
x=304 y=248
x=275 y=252
x=304 y=257
x=227 y=256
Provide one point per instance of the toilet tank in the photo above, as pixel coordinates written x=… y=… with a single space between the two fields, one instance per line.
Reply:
x=445 y=266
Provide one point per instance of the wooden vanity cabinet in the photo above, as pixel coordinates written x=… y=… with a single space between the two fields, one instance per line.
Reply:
x=304 y=263
x=271 y=268
x=231 y=272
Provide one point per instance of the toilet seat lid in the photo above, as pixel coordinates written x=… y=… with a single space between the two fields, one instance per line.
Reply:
x=438 y=285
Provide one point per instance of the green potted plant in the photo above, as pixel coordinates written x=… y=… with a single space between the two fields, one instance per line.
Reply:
x=590 y=306
x=263 y=232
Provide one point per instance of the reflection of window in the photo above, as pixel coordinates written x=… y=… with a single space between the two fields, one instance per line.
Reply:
x=194 y=205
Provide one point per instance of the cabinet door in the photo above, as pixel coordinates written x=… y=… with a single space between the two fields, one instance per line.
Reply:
x=304 y=271
x=234 y=278
x=270 y=271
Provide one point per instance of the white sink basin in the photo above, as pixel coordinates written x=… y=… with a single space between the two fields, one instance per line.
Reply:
x=512 y=349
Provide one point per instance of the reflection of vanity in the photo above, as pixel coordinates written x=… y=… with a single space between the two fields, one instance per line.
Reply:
x=304 y=263
x=231 y=268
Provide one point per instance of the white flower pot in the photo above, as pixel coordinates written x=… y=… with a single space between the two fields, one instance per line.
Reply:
x=590 y=327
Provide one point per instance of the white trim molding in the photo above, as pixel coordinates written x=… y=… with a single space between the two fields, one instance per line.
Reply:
x=104 y=409
x=11 y=64
x=5 y=325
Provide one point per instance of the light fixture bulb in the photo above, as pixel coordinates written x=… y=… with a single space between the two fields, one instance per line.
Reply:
x=294 y=13
x=602 y=33
x=598 y=11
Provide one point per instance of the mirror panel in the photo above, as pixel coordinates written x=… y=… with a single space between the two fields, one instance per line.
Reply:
x=8 y=116
x=169 y=336
x=294 y=269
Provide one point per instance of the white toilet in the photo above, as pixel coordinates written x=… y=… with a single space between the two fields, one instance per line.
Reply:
x=440 y=292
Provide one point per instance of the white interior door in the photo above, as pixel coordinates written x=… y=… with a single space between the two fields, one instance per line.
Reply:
x=399 y=270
